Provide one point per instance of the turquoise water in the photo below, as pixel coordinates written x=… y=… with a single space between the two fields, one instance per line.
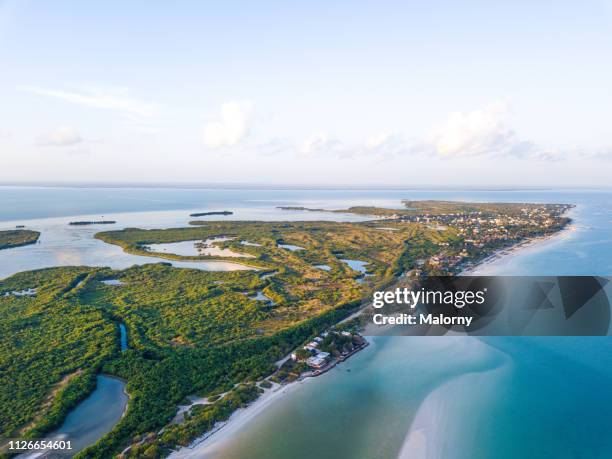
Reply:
x=555 y=400
x=459 y=397
x=418 y=397
x=360 y=409
x=447 y=397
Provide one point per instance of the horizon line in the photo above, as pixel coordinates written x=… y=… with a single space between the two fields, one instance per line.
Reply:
x=295 y=186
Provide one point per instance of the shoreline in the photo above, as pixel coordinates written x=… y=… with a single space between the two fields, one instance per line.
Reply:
x=205 y=444
x=124 y=381
x=537 y=242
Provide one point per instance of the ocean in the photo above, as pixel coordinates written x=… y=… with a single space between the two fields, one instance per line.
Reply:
x=414 y=397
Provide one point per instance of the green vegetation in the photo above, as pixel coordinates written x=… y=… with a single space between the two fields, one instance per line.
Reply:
x=290 y=371
x=17 y=238
x=93 y=222
x=190 y=331
x=194 y=332
x=337 y=344
x=204 y=214
x=199 y=419
x=50 y=349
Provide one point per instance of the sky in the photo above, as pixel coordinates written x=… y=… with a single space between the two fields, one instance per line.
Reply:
x=396 y=93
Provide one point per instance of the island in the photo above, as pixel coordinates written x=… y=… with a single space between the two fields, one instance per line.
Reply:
x=225 y=337
x=94 y=222
x=204 y=214
x=17 y=238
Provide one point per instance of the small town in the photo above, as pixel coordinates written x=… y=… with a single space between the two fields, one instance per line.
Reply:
x=319 y=355
x=482 y=232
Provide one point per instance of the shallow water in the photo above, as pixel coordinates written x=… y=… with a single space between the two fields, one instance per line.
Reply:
x=444 y=397
x=123 y=337
x=252 y=244
x=293 y=248
x=61 y=244
x=115 y=282
x=357 y=265
x=197 y=248
x=95 y=416
x=323 y=267
x=261 y=296
x=362 y=413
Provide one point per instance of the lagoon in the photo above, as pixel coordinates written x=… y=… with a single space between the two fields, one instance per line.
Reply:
x=49 y=210
x=356 y=265
x=261 y=296
x=293 y=248
x=197 y=248
x=93 y=417
x=63 y=245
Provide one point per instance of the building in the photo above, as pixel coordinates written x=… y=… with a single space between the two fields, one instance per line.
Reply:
x=319 y=360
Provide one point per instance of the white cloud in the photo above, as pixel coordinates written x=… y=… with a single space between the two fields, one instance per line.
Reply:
x=478 y=132
x=275 y=146
x=61 y=137
x=482 y=132
x=602 y=154
x=321 y=144
x=115 y=99
x=386 y=144
x=232 y=128
x=377 y=141
x=470 y=133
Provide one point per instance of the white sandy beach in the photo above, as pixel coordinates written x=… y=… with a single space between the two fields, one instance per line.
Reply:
x=205 y=446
